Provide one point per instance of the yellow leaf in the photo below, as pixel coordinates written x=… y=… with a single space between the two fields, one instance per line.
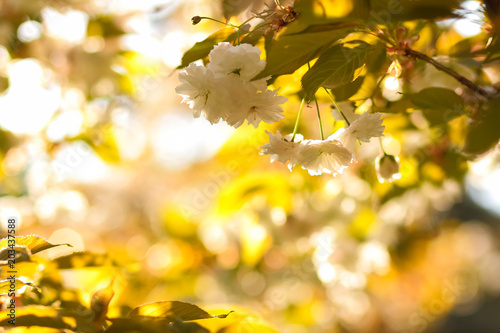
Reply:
x=34 y=243
x=171 y=310
x=12 y=285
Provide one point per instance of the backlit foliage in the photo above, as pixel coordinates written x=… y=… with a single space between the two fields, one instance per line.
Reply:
x=134 y=216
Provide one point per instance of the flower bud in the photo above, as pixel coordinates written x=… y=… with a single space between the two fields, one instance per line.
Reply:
x=387 y=167
x=196 y=20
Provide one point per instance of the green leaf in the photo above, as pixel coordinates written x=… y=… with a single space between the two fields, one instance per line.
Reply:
x=493 y=50
x=255 y=35
x=344 y=92
x=337 y=66
x=83 y=259
x=439 y=105
x=201 y=49
x=6 y=286
x=376 y=62
x=399 y=106
x=290 y=51
x=34 y=243
x=171 y=310
x=484 y=134
x=463 y=48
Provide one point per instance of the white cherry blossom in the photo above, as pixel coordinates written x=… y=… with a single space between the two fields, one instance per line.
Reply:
x=365 y=127
x=282 y=148
x=224 y=90
x=255 y=106
x=242 y=60
x=324 y=156
x=203 y=93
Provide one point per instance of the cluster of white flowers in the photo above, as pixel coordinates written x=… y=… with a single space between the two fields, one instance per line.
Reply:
x=224 y=90
x=330 y=156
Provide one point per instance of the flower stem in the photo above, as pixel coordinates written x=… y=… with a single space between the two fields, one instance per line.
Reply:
x=241 y=25
x=338 y=108
x=298 y=117
x=381 y=145
x=215 y=20
x=317 y=110
x=319 y=119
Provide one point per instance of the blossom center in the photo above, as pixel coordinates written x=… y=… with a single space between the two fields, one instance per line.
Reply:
x=236 y=71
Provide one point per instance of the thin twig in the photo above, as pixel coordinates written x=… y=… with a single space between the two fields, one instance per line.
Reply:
x=466 y=82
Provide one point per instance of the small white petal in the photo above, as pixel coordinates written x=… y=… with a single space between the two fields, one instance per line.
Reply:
x=282 y=149
x=365 y=127
x=242 y=60
x=324 y=156
x=202 y=92
x=255 y=106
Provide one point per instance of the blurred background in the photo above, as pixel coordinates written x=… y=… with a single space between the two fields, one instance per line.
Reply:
x=97 y=151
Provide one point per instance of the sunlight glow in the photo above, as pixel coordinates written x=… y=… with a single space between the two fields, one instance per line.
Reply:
x=470 y=25
x=22 y=115
x=483 y=182
x=327 y=272
x=175 y=43
x=143 y=44
x=158 y=257
x=324 y=241
x=65 y=235
x=78 y=162
x=257 y=233
x=374 y=258
x=65 y=125
x=180 y=140
x=391 y=83
x=29 y=31
x=4 y=60
x=392 y=89
x=70 y=26
x=278 y=216
x=214 y=238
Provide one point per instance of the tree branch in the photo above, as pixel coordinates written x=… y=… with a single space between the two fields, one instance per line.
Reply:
x=469 y=84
